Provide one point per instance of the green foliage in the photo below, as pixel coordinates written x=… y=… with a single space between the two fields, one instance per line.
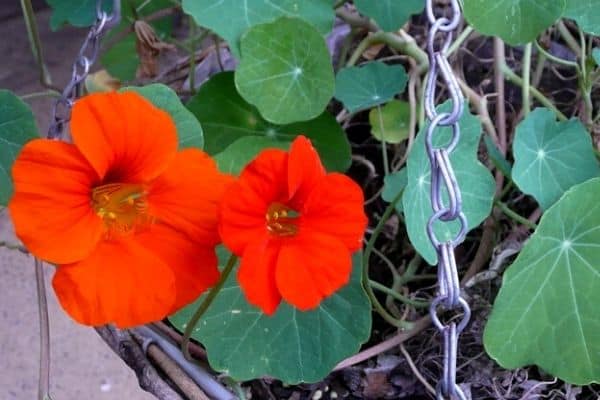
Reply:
x=586 y=13
x=231 y=18
x=122 y=60
x=551 y=156
x=189 y=130
x=74 y=12
x=226 y=118
x=390 y=121
x=17 y=127
x=239 y=153
x=285 y=71
x=515 y=21
x=474 y=179
x=367 y=86
x=390 y=15
x=291 y=345
x=546 y=312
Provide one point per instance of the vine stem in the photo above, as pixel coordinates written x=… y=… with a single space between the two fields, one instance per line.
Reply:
x=499 y=61
x=44 y=378
x=526 y=79
x=35 y=42
x=513 y=215
x=365 y=270
x=514 y=78
x=384 y=155
x=187 y=334
x=398 y=296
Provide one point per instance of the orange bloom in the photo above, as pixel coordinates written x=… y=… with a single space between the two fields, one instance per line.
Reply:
x=129 y=220
x=295 y=227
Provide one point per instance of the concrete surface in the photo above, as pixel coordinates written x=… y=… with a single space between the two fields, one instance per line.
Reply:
x=83 y=367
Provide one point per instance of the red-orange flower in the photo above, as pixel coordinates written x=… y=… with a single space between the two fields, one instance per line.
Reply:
x=294 y=225
x=129 y=220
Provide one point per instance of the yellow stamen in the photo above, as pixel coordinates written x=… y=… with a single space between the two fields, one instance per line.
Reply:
x=122 y=206
x=281 y=220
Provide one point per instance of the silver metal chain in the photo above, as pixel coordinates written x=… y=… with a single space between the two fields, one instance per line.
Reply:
x=88 y=53
x=443 y=182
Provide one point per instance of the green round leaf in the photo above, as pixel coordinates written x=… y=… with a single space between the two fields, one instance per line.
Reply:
x=474 y=180
x=551 y=156
x=586 y=13
x=75 y=12
x=226 y=117
x=238 y=154
x=285 y=71
x=369 y=85
x=515 y=21
x=291 y=345
x=17 y=127
x=189 y=130
x=231 y=18
x=596 y=56
x=390 y=121
x=547 y=310
x=390 y=15
x=122 y=60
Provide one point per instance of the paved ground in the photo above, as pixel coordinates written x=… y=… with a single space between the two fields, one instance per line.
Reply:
x=82 y=366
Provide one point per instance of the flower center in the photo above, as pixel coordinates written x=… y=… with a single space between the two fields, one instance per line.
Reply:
x=122 y=206
x=281 y=220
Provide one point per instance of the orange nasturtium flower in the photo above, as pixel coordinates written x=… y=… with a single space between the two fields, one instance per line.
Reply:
x=294 y=225
x=130 y=221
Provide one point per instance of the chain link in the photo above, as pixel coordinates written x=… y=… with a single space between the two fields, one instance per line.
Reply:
x=88 y=53
x=446 y=198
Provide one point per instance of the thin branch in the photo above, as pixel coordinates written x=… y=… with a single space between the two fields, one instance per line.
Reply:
x=36 y=43
x=44 y=378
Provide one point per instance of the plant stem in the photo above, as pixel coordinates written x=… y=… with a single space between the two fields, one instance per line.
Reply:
x=514 y=78
x=555 y=59
x=499 y=61
x=402 y=43
x=339 y=3
x=460 y=40
x=513 y=215
x=45 y=93
x=35 y=42
x=568 y=38
x=189 y=329
x=44 y=378
x=398 y=296
x=384 y=155
x=526 y=70
x=365 y=271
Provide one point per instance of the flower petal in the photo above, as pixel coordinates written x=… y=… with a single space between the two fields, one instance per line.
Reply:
x=311 y=267
x=51 y=208
x=194 y=265
x=335 y=207
x=245 y=203
x=121 y=282
x=187 y=194
x=304 y=170
x=257 y=274
x=123 y=136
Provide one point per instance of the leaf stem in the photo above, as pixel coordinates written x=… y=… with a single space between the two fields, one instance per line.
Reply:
x=44 y=378
x=44 y=93
x=384 y=155
x=555 y=59
x=515 y=79
x=526 y=68
x=35 y=42
x=189 y=329
x=398 y=296
x=401 y=324
x=513 y=215
x=568 y=37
